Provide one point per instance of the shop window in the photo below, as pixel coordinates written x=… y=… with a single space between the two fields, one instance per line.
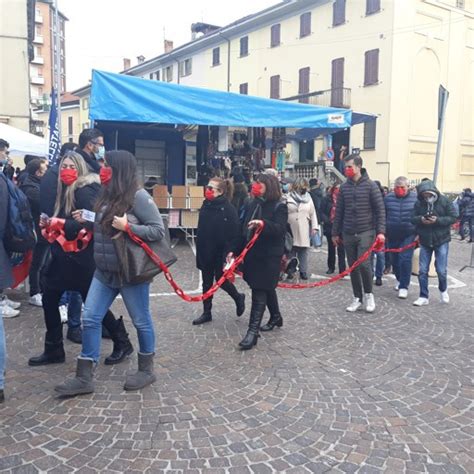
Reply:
x=244 y=46
x=303 y=83
x=371 y=75
x=305 y=24
x=275 y=87
x=275 y=35
x=372 y=6
x=216 y=56
x=338 y=12
x=369 y=135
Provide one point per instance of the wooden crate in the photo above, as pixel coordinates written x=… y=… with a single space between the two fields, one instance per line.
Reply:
x=174 y=218
x=189 y=219
x=179 y=197
x=196 y=197
x=179 y=191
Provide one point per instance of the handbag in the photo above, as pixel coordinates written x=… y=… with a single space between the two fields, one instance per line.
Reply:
x=316 y=240
x=135 y=263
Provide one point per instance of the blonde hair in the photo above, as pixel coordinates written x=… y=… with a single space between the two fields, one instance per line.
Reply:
x=299 y=184
x=65 y=194
x=225 y=186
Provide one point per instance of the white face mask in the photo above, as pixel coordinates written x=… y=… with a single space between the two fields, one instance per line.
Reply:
x=430 y=199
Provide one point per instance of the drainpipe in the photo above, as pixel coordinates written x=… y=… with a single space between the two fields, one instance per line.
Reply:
x=228 y=60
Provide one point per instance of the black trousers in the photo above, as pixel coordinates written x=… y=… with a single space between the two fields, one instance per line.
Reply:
x=211 y=273
x=341 y=256
x=40 y=254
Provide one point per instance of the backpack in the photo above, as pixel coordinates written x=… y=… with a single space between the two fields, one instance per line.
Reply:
x=20 y=234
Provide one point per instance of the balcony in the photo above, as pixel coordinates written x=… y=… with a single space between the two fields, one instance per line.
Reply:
x=38 y=19
x=39 y=81
x=38 y=40
x=38 y=60
x=339 y=97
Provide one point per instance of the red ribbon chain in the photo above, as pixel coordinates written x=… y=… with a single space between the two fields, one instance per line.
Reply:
x=54 y=232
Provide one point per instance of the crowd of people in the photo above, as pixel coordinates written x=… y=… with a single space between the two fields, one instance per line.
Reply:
x=84 y=205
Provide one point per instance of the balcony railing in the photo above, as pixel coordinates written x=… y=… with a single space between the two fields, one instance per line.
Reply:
x=38 y=60
x=38 y=39
x=38 y=19
x=337 y=97
x=37 y=80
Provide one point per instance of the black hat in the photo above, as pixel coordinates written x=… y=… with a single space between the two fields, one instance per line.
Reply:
x=238 y=178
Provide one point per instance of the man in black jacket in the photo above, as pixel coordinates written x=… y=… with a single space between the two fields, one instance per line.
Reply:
x=35 y=170
x=91 y=144
x=360 y=217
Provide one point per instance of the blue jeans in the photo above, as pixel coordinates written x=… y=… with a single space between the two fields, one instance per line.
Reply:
x=2 y=353
x=441 y=265
x=99 y=299
x=73 y=300
x=378 y=263
x=402 y=262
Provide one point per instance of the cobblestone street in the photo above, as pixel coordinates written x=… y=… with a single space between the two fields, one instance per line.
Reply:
x=329 y=392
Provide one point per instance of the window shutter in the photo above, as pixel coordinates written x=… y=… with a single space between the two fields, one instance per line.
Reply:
x=339 y=12
x=305 y=24
x=275 y=87
x=372 y=6
x=371 y=73
x=303 y=84
x=369 y=135
x=275 y=35
x=244 y=46
x=216 y=53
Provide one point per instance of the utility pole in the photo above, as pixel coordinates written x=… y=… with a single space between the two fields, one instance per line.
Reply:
x=443 y=95
x=57 y=61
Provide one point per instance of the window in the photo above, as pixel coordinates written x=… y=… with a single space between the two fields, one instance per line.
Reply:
x=371 y=75
x=216 y=56
x=244 y=46
x=157 y=75
x=337 y=82
x=372 y=6
x=69 y=126
x=338 y=12
x=85 y=104
x=38 y=51
x=303 y=83
x=150 y=76
x=305 y=24
x=186 y=67
x=40 y=72
x=168 y=75
x=460 y=4
x=39 y=31
x=40 y=91
x=275 y=35
x=275 y=87
x=244 y=88
x=369 y=135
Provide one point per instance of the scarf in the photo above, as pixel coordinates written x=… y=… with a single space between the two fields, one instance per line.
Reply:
x=299 y=198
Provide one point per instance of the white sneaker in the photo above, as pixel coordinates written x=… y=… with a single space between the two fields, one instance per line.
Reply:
x=13 y=304
x=63 y=313
x=354 y=306
x=8 y=312
x=403 y=293
x=421 y=301
x=369 y=303
x=397 y=286
x=36 y=300
x=444 y=297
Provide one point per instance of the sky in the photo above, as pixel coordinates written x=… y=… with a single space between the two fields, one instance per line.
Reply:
x=100 y=33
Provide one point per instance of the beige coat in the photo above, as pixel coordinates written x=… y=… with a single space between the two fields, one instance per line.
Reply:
x=302 y=219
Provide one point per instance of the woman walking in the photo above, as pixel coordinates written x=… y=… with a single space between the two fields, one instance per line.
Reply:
x=303 y=222
x=328 y=212
x=121 y=200
x=217 y=236
x=72 y=262
x=261 y=267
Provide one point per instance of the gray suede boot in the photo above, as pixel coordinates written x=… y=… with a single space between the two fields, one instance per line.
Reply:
x=82 y=383
x=144 y=376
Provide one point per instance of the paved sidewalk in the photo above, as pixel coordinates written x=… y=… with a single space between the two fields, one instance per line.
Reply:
x=329 y=392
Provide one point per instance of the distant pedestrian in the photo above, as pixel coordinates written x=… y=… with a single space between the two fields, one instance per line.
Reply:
x=466 y=209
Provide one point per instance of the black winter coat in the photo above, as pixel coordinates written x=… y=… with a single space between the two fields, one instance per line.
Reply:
x=218 y=232
x=48 y=190
x=325 y=213
x=262 y=264
x=433 y=235
x=31 y=188
x=399 y=211
x=467 y=205
x=75 y=266
x=359 y=208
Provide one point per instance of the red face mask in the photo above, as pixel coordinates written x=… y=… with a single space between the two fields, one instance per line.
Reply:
x=349 y=172
x=257 y=190
x=105 y=175
x=209 y=193
x=68 y=176
x=399 y=192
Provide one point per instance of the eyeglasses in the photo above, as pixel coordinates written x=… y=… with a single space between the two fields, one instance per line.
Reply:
x=97 y=143
x=211 y=188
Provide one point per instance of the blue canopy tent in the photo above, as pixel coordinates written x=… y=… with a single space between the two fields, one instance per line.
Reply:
x=118 y=97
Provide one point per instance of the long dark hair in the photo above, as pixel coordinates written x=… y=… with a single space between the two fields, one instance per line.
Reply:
x=118 y=196
x=273 y=191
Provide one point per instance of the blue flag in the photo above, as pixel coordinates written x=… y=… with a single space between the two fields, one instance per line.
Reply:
x=54 y=138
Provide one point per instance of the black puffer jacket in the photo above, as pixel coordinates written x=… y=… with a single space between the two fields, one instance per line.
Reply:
x=433 y=235
x=31 y=188
x=359 y=208
x=217 y=233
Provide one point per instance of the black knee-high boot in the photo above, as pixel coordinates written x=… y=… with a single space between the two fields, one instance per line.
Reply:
x=275 y=316
x=256 y=315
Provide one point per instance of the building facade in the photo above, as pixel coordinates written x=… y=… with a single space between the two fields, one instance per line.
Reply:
x=380 y=57
x=16 y=35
